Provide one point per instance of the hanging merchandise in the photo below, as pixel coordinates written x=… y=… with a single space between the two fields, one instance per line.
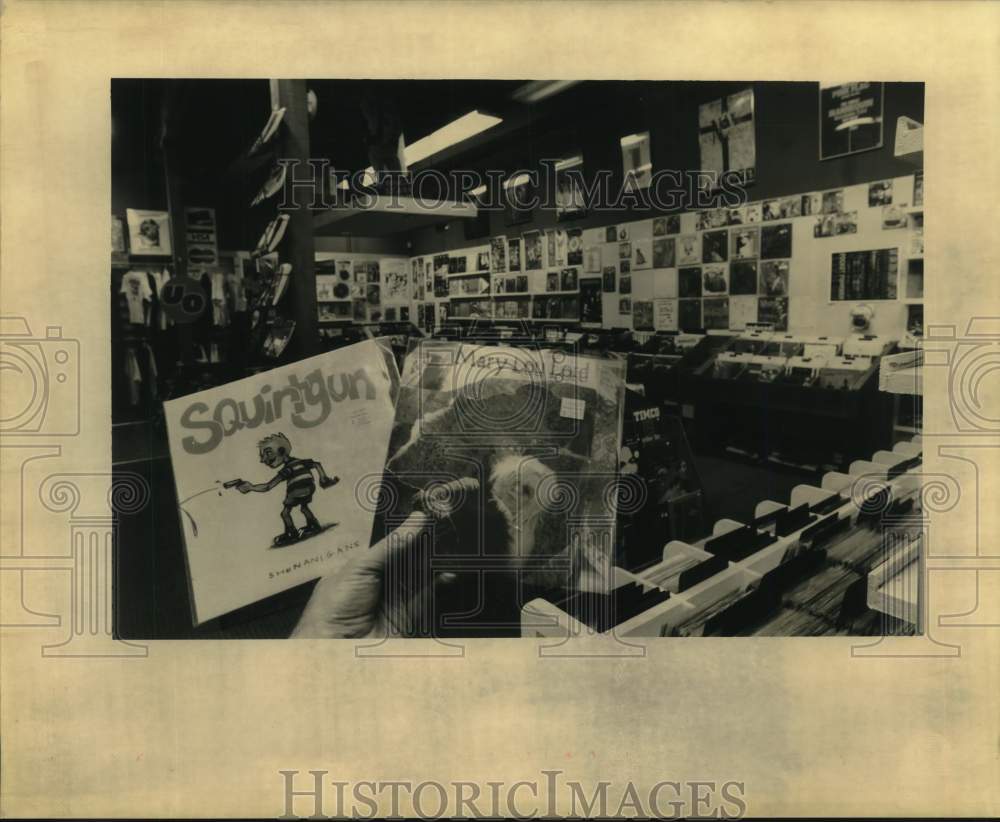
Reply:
x=138 y=295
x=201 y=237
x=272 y=185
x=160 y=278
x=269 y=130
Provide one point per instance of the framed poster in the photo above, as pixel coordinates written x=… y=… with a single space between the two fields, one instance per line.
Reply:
x=850 y=119
x=591 y=302
x=727 y=140
x=665 y=315
x=569 y=197
x=149 y=232
x=532 y=251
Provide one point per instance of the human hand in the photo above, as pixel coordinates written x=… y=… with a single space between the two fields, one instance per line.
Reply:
x=355 y=602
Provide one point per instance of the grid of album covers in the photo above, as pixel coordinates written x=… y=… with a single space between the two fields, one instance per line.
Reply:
x=717 y=269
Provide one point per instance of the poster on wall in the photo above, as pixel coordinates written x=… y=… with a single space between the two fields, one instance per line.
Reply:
x=864 y=275
x=608 y=279
x=689 y=315
x=514 y=254
x=743 y=277
x=202 y=245
x=715 y=280
x=395 y=283
x=726 y=138
x=532 y=251
x=591 y=302
x=774 y=312
x=570 y=201
x=637 y=163
x=642 y=315
x=774 y=278
x=850 y=119
x=664 y=254
x=742 y=310
x=149 y=232
x=665 y=315
x=776 y=241
x=498 y=255
x=574 y=246
x=715 y=313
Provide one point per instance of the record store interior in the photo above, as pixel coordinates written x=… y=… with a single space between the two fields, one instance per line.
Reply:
x=735 y=267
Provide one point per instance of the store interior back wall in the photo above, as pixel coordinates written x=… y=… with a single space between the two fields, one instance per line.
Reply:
x=787 y=130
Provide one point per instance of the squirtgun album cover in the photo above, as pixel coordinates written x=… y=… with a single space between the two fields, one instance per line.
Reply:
x=266 y=471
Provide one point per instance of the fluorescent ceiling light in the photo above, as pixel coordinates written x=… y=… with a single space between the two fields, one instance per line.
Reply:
x=634 y=139
x=569 y=162
x=520 y=179
x=464 y=128
x=540 y=89
x=477 y=191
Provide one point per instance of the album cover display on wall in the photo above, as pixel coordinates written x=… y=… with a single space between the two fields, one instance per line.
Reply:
x=715 y=313
x=743 y=277
x=776 y=241
x=715 y=279
x=149 y=232
x=625 y=306
x=625 y=284
x=574 y=246
x=289 y=470
x=745 y=243
x=894 y=217
x=611 y=234
x=624 y=266
x=742 y=310
x=663 y=226
x=664 y=252
x=689 y=282
x=689 y=315
x=395 y=283
x=570 y=201
x=592 y=258
x=591 y=301
x=773 y=311
x=715 y=247
x=608 y=279
x=568 y=279
x=642 y=315
x=533 y=251
x=643 y=254
x=514 y=254
x=880 y=193
x=458 y=264
x=774 y=278
x=483 y=261
x=498 y=255
x=850 y=118
x=726 y=136
x=552 y=281
x=665 y=315
x=689 y=249
x=834 y=225
x=865 y=275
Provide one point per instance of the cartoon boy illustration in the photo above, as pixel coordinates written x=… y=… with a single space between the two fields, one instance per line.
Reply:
x=276 y=452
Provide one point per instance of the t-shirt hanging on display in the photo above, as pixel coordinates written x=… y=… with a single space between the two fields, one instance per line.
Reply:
x=135 y=287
